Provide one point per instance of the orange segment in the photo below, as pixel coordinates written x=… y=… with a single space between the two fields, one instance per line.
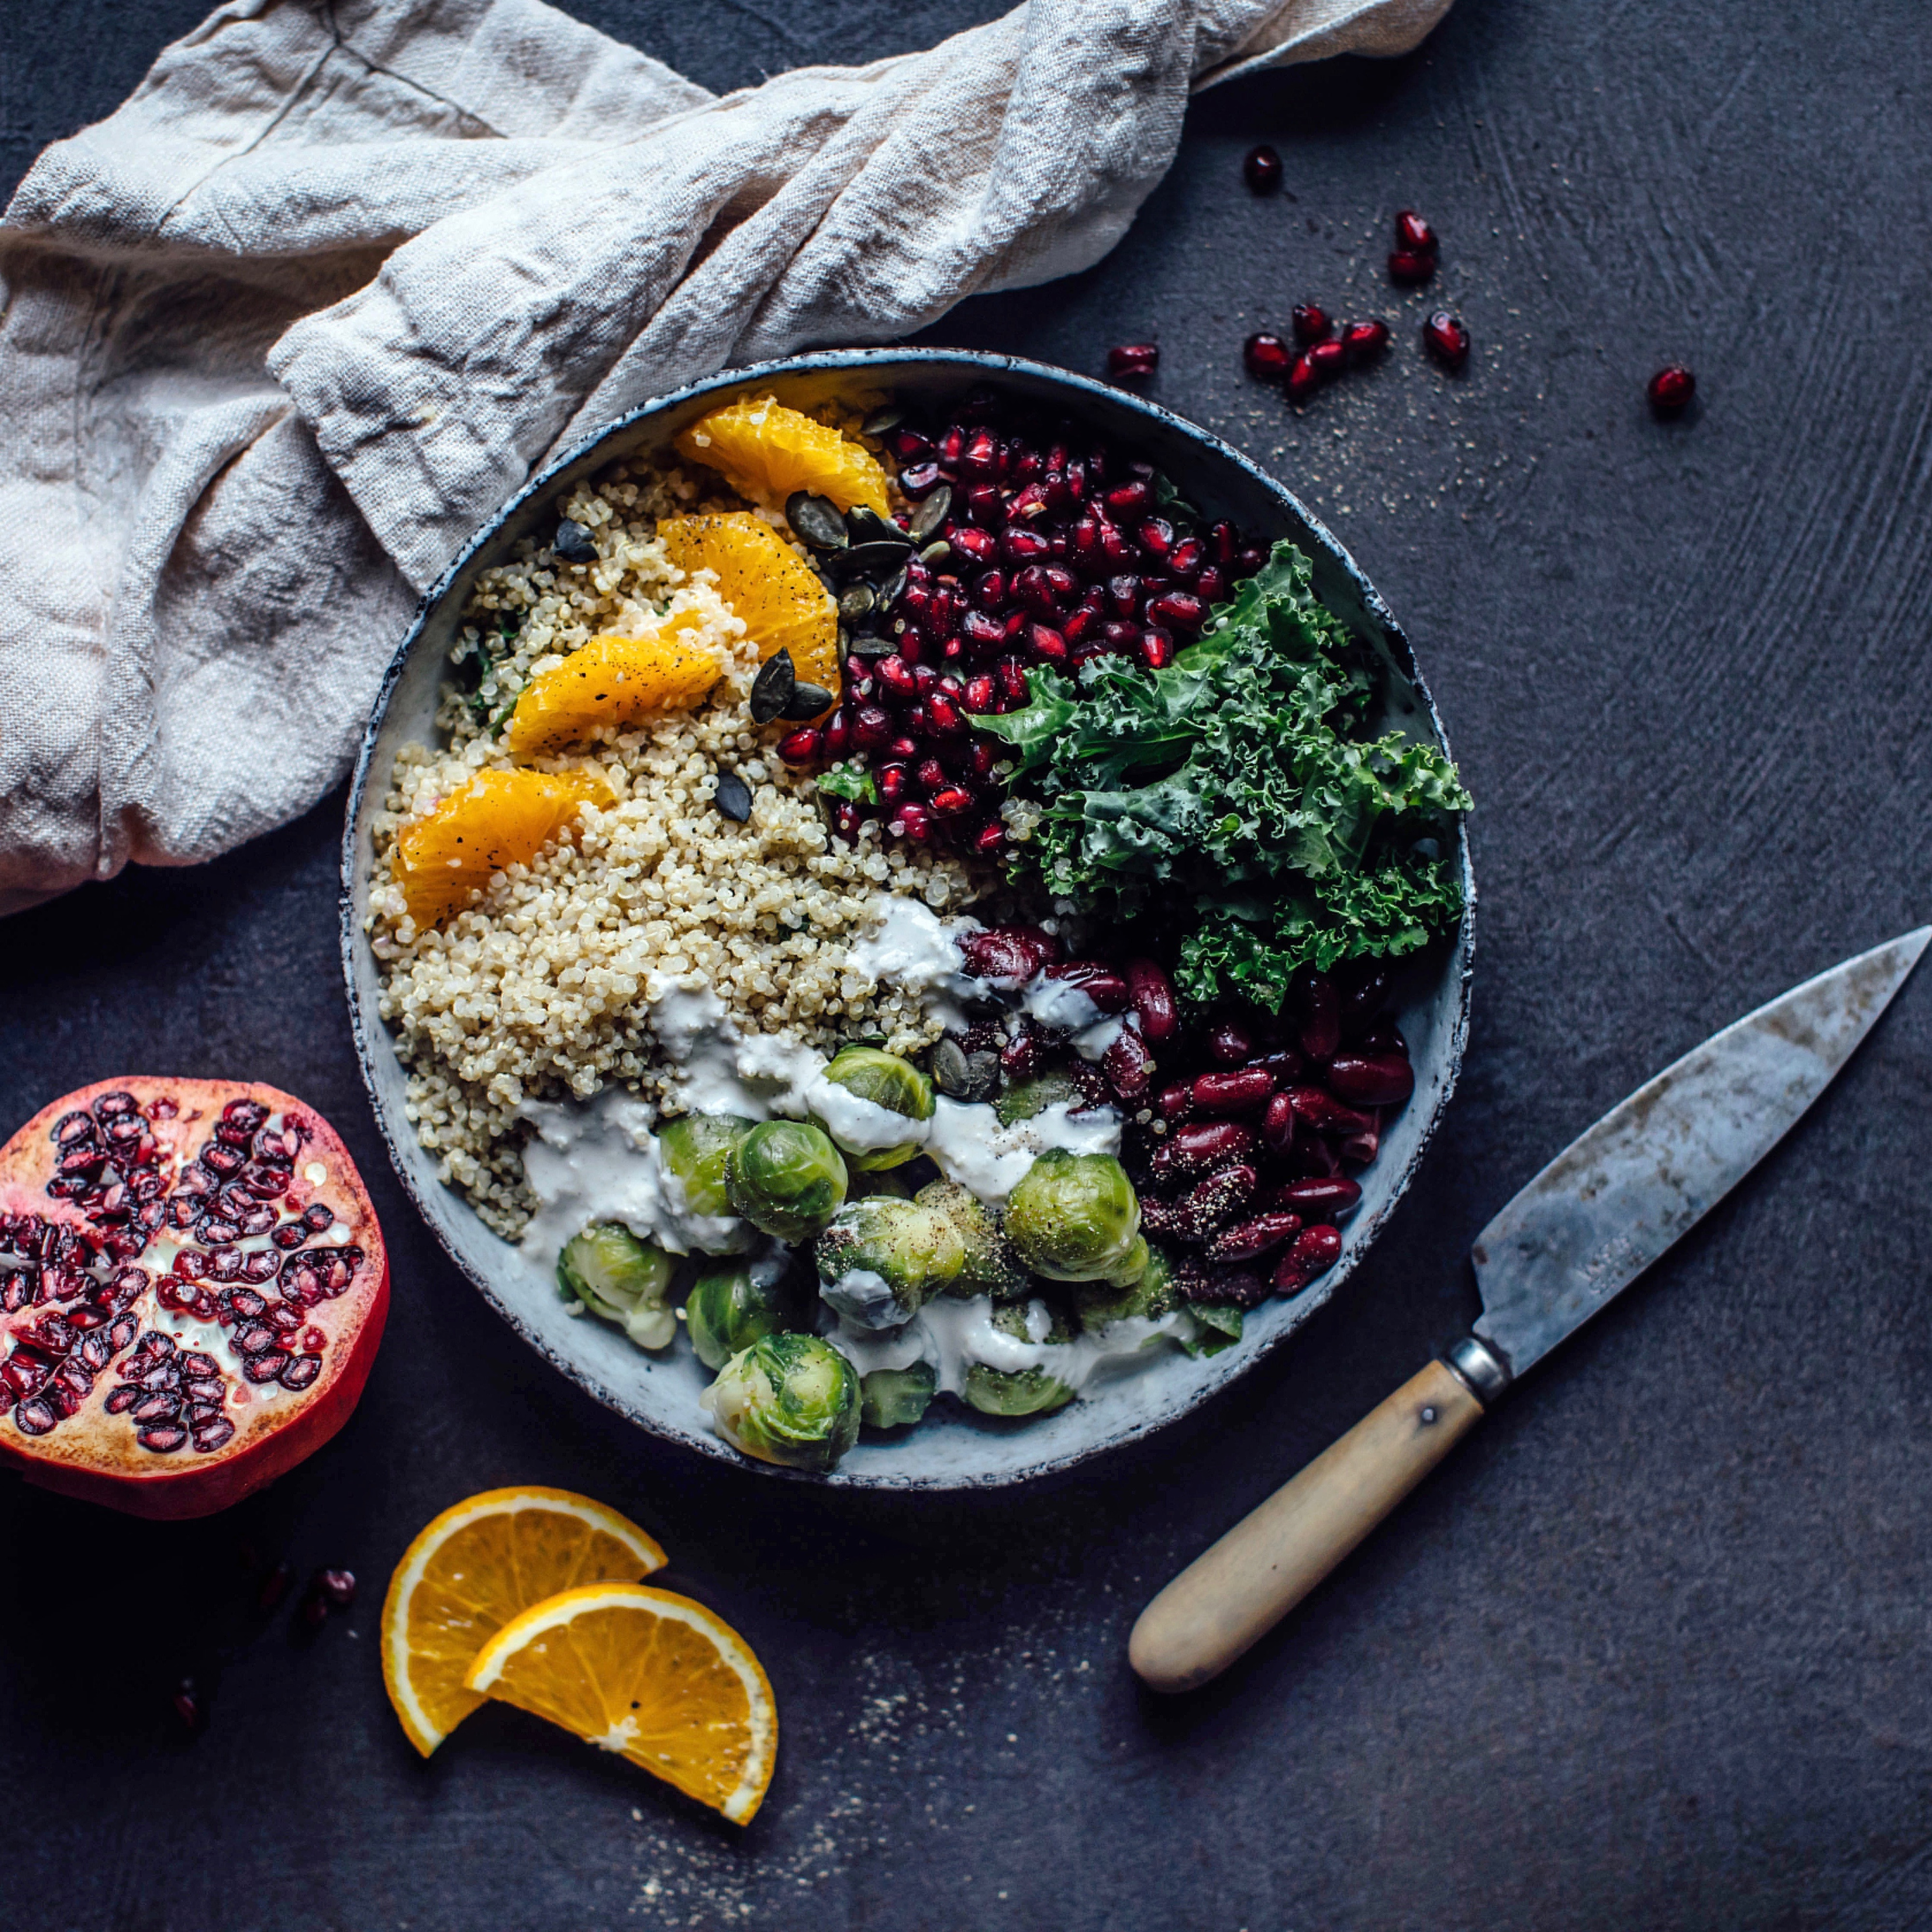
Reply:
x=766 y=452
x=784 y=606
x=498 y=819
x=614 y=681
x=477 y=1567
x=650 y=1675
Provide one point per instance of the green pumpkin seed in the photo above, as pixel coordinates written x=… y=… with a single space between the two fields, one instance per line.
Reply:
x=881 y=420
x=867 y=526
x=773 y=688
x=931 y=514
x=816 y=520
x=733 y=797
x=857 y=601
x=869 y=646
x=807 y=700
x=865 y=557
x=936 y=552
x=889 y=591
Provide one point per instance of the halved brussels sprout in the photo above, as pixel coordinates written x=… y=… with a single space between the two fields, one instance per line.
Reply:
x=611 y=1272
x=896 y=1398
x=882 y=1260
x=786 y=1178
x=731 y=1307
x=1034 y=1391
x=1026 y=1098
x=697 y=1149
x=792 y=1399
x=1074 y=1217
x=1147 y=1299
x=992 y=1266
x=879 y=1085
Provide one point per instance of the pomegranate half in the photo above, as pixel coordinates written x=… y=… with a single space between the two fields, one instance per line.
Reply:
x=192 y=1288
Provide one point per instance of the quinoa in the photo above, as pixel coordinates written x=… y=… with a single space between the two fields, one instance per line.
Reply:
x=541 y=988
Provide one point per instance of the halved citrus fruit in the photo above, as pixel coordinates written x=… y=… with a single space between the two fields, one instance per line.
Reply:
x=614 y=681
x=650 y=1675
x=497 y=820
x=784 y=606
x=766 y=452
x=475 y=1569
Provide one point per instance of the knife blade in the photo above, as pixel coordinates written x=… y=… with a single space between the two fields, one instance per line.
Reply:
x=1568 y=1244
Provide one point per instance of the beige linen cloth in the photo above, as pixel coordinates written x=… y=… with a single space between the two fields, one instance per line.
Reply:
x=278 y=335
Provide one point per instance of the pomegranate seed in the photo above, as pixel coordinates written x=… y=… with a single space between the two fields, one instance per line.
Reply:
x=1012 y=674
x=951 y=444
x=799 y=748
x=1413 y=234
x=952 y=802
x=1225 y=540
x=1364 y=339
x=980 y=456
x=1186 y=557
x=902 y=749
x=980 y=693
x=984 y=756
x=1671 y=389
x=943 y=715
x=1156 y=535
x=1267 y=357
x=1154 y=647
x=1079 y=622
x=983 y=628
x=896 y=675
x=1211 y=586
x=1250 y=560
x=1019 y=546
x=871 y=726
x=989 y=590
x=1128 y=500
x=1447 y=339
x=990 y=837
x=1260 y=168
x=931 y=776
x=1118 y=636
x=1312 y=325
x=1181 y=609
x=1328 y=359
x=1132 y=360
x=1404 y=266
x=890 y=782
x=921 y=479
x=912 y=821
x=1123 y=593
x=984 y=503
x=982 y=546
x=1086 y=537
x=909 y=446
x=1302 y=380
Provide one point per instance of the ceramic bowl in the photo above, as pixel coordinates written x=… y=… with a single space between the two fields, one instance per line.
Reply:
x=953 y=1448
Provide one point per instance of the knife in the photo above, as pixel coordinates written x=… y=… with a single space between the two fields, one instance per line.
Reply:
x=1578 y=1235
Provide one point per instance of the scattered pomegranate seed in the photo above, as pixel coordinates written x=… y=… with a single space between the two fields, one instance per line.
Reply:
x=801 y=747
x=1312 y=324
x=1364 y=339
x=1261 y=168
x=1302 y=380
x=1267 y=357
x=1328 y=359
x=1413 y=233
x=187 y=1705
x=989 y=839
x=1132 y=360
x=1671 y=389
x=1447 y=339
x=1406 y=266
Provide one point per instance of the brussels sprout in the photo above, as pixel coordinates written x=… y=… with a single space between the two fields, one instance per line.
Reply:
x=697 y=1149
x=1147 y=1299
x=730 y=1308
x=786 y=1178
x=991 y=1266
x=1034 y=1391
x=1022 y=1101
x=879 y=1084
x=607 y=1270
x=788 y=1399
x=882 y=1260
x=1074 y=1217
x=896 y=1398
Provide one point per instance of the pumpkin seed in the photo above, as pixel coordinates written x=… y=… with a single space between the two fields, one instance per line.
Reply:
x=816 y=519
x=807 y=700
x=733 y=797
x=865 y=557
x=931 y=514
x=881 y=420
x=964 y=1076
x=867 y=526
x=869 y=646
x=936 y=552
x=857 y=601
x=889 y=591
x=573 y=543
x=773 y=688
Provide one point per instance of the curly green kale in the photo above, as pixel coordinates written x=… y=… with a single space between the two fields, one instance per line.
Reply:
x=1244 y=763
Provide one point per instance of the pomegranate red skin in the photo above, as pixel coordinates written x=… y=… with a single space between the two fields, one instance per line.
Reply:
x=164 y=1488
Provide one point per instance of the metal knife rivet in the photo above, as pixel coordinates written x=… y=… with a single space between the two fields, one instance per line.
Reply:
x=1429 y=1413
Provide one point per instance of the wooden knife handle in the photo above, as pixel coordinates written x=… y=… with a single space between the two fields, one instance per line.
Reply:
x=1234 y=1594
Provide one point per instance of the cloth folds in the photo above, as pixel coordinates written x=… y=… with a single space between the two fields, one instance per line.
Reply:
x=279 y=333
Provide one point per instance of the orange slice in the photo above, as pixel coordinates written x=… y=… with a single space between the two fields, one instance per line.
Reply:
x=766 y=452
x=498 y=819
x=611 y=681
x=475 y=1569
x=650 y=1675
x=785 y=606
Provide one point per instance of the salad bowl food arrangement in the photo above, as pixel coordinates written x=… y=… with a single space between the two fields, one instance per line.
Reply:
x=907 y=916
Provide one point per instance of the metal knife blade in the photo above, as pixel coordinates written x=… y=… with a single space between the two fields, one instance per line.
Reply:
x=1621 y=1193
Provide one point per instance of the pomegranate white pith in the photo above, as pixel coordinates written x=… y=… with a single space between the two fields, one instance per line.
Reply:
x=192 y=1288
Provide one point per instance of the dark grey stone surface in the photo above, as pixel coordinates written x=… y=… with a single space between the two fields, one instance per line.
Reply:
x=1652 y=1650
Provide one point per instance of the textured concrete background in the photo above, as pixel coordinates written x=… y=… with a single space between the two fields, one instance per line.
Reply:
x=1653 y=1650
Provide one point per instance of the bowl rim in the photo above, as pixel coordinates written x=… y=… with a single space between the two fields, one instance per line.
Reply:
x=367 y=1029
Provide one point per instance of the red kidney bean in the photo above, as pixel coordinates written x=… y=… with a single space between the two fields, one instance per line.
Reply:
x=1371 y=1079
x=1278 y=1125
x=1363 y=1147
x=1286 y=1064
x=1223 y=1196
x=1325 y=1198
x=1230 y=1043
x=1242 y=1091
x=1011 y=953
x=1101 y=984
x=1315 y=1251
x=1167 y=1220
x=1312 y=1157
x=1384 y=1037
x=1318 y=1009
x=1247 y=1239
x=1327 y=1115
x=1175 y=1104
x=1363 y=1000
x=1152 y=992
x=1127 y=1064
x=1201 y=1145
x=1020 y=1057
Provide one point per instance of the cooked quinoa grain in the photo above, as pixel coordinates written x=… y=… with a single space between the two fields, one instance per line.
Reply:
x=541 y=988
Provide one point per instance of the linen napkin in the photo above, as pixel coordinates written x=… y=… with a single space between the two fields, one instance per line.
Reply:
x=280 y=333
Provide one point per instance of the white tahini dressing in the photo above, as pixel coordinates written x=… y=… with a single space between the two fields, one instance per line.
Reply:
x=966 y=1139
